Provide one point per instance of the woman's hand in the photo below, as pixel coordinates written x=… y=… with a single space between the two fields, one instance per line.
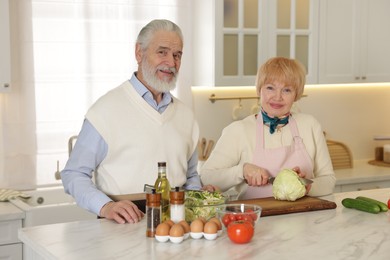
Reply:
x=302 y=175
x=255 y=175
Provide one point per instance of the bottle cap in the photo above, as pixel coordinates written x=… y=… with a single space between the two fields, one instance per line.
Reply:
x=153 y=199
x=161 y=164
x=176 y=196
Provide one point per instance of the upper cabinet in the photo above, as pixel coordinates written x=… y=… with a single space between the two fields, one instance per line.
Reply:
x=5 y=48
x=248 y=32
x=337 y=41
x=354 y=41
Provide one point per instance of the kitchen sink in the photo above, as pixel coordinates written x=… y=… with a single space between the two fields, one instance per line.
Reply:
x=49 y=206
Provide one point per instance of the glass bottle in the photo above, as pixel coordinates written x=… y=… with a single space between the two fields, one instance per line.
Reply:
x=162 y=186
x=153 y=212
x=177 y=205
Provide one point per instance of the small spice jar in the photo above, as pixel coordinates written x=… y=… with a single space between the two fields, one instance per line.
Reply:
x=153 y=212
x=177 y=205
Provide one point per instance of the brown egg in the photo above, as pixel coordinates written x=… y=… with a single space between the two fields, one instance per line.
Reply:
x=176 y=230
x=163 y=229
x=185 y=226
x=217 y=221
x=169 y=222
x=203 y=220
x=210 y=227
x=196 y=226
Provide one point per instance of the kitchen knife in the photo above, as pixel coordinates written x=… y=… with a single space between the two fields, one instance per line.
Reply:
x=304 y=181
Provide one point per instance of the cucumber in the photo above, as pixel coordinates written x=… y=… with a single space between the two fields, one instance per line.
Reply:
x=361 y=205
x=381 y=205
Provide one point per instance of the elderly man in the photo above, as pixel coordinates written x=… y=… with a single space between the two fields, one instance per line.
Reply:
x=131 y=128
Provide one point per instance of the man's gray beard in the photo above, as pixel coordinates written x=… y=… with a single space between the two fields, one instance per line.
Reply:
x=154 y=82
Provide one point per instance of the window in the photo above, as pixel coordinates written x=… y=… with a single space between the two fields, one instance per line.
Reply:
x=67 y=54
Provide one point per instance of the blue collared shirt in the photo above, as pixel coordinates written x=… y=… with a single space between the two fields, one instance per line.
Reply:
x=90 y=150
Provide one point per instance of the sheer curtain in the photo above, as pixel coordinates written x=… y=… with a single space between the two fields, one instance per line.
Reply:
x=65 y=54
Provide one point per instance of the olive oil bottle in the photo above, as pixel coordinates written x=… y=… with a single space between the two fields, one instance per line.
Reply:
x=162 y=186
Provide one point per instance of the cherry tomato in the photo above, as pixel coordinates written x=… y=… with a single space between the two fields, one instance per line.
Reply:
x=248 y=218
x=232 y=217
x=239 y=216
x=252 y=214
x=240 y=232
x=227 y=218
x=388 y=203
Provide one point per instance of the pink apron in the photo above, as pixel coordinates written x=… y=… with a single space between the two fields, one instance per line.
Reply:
x=276 y=159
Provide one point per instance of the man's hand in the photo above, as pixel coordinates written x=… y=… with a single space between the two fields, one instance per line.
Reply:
x=121 y=211
x=210 y=188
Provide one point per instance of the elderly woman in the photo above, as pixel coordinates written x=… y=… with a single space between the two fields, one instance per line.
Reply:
x=252 y=150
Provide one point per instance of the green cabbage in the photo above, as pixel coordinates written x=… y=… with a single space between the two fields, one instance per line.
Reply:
x=287 y=186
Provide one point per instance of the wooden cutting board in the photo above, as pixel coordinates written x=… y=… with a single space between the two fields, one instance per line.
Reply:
x=271 y=206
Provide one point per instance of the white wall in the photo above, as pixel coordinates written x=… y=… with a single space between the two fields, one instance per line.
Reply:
x=352 y=114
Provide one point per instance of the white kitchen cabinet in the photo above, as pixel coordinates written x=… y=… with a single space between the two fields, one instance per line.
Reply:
x=5 y=48
x=11 y=252
x=354 y=40
x=246 y=33
x=10 y=246
x=10 y=221
x=362 y=186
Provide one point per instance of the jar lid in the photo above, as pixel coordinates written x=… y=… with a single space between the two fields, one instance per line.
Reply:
x=153 y=197
x=176 y=196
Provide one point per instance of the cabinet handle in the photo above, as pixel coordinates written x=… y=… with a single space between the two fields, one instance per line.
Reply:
x=364 y=77
x=357 y=78
x=6 y=85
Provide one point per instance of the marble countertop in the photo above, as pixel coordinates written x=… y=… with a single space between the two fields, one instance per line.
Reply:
x=339 y=233
x=8 y=211
x=362 y=172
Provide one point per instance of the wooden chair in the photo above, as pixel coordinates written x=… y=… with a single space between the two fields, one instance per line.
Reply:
x=340 y=154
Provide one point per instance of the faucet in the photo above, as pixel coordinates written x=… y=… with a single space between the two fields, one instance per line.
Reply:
x=57 y=174
x=70 y=144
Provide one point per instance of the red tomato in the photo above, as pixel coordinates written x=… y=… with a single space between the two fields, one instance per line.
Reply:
x=227 y=218
x=240 y=232
x=248 y=218
x=388 y=203
x=239 y=216
x=252 y=214
x=232 y=217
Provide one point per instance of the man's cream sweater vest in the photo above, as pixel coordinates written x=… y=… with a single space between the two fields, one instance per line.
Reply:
x=138 y=137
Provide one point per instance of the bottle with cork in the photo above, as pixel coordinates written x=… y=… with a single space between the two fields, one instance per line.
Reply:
x=177 y=205
x=162 y=186
x=153 y=212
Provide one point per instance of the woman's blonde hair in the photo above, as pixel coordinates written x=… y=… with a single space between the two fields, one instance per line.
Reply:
x=283 y=70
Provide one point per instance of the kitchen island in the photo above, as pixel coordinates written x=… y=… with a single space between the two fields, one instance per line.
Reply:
x=339 y=233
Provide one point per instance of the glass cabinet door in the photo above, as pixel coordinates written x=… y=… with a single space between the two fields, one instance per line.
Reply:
x=293 y=29
x=238 y=33
x=248 y=32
